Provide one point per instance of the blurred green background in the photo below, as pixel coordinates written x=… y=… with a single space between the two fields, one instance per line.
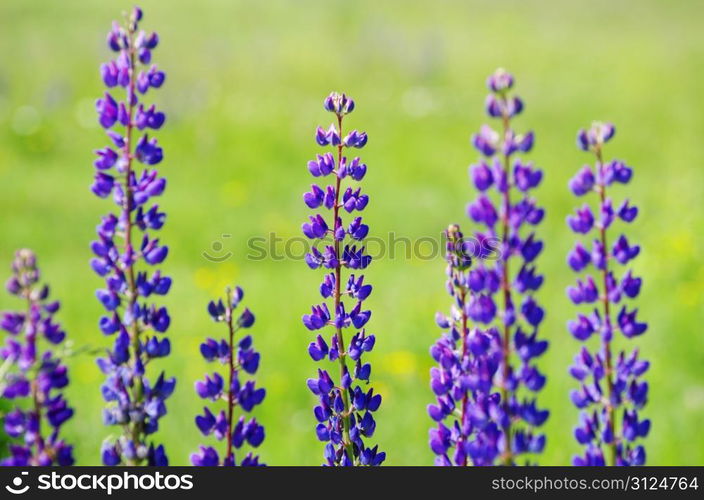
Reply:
x=243 y=96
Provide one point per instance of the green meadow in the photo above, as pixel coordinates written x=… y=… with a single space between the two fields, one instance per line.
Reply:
x=243 y=95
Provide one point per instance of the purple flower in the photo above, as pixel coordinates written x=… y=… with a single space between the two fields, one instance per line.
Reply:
x=240 y=358
x=583 y=181
x=468 y=359
x=583 y=221
x=611 y=391
x=594 y=138
x=33 y=374
x=344 y=410
x=125 y=248
x=492 y=296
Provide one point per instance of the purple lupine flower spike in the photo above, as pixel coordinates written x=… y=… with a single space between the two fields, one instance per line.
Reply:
x=611 y=389
x=510 y=220
x=344 y=410
x=468 y=359
x=241 y=360
x=32 y=372
x=126 y=248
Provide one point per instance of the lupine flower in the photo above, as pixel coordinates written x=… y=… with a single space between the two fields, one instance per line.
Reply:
x=611 y=391
x=468 y=359
x=345 y=408
x=510 y=219
x=241 y=360
x=127 y=250
x=32 y=373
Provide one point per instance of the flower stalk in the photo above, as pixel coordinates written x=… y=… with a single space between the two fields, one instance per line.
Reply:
x=125 y=245
x=508 y=219
x=32 y=373
x=345 y=410
x=468 y=359
x=240 y=359
x=611 y=386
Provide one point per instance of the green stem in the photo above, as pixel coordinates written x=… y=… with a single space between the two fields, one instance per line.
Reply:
x=138 y=390
x=507 y=457
x=347 y=441
x=230 y=396
x=613 y=452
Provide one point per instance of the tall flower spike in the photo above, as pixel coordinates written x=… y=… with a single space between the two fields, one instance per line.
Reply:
x=126 y=248
x=32 y=373
x=468 y=359
x=344 y=410
x=509 y=220
x=611 y=391
x=240 y=358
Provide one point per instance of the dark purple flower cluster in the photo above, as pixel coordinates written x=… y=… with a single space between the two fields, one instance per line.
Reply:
x=32 y=373
x=344 y=411
x=611 y=388
x=509 y=221
x=468 y=359
x=242 y=393
x=125 y=240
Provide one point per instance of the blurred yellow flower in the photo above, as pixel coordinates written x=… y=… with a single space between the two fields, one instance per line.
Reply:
x=214 y=279
x=400 y=363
